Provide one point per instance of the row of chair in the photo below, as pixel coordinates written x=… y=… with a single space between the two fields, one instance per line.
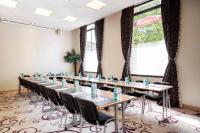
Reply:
x=86 y=110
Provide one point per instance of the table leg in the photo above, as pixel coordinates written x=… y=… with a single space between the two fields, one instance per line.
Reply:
x=166 y=102
x=116 y=120
x=123 y=120
x=164 y=96
x=19 y=88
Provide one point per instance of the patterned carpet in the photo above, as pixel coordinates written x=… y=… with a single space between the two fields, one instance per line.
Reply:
x=17 y=115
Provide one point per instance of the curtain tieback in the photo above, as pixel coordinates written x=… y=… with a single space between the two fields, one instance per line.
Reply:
x=172 y=59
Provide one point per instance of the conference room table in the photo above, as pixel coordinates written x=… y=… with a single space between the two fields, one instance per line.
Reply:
x=135 y=85
x=103 y=99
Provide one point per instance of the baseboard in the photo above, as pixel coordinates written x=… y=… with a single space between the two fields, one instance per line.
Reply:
x=1 y=91
x=191 y=107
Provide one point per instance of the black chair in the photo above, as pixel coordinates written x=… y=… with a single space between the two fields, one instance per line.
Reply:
x=71 y=105
x=55 y=102
x=102 y=77
x=53 y=96
x=59 y=78
x=89 y=112
x=139 y=94
x=106 y=88
x=70 y=81
x=114 y=79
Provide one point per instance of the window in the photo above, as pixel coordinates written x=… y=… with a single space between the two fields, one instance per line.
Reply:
x=149 y=55
x=90 y=60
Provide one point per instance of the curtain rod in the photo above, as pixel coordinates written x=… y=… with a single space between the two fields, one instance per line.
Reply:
x=26 y=24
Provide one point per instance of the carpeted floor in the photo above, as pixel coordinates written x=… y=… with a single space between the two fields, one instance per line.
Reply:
x=17 y=115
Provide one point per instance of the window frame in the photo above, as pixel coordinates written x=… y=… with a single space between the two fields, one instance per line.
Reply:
x=142 y=12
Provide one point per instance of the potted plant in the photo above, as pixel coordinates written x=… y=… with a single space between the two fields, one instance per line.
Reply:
x=72 y=57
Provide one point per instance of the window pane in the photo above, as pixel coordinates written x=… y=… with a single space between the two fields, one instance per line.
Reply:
x=93 y=37
x=148 y=28
x=149 y=55
x=90 y=60
x=89 y=39
x=149 y=59
x=90 y=26
x=147 y=5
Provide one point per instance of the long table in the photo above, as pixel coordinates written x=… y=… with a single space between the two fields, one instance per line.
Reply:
x=139 y=86
x=104 y=98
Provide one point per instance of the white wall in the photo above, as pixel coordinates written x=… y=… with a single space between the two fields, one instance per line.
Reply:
x=188 y=60
x=112 y=60
x=28 y=50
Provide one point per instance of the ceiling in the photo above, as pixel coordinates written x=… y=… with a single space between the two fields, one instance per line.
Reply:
x=24 y=12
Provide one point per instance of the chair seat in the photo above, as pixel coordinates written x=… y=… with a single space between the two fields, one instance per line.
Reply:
x=103 y=117
x=136 y=94
x=153 y=97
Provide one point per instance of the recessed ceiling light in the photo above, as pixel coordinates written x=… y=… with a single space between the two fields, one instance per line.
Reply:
x=8 y=3
x=95 y=4
x=70 y=19
x=43 y=12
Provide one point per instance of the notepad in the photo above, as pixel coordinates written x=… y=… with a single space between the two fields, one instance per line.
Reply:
x=51 y=86
x=61 y=89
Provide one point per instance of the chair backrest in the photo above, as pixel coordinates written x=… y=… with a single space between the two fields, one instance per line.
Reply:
x=105 y=88
x=88 y=110
x=114 y=79
x=102 y=77
x=59 y=78
x=139 y=81
x=53 y=96
x=70 y=81
x=51 y=78
x=26 y=76
x=44 y=92
x=161 y=83
x=36 y=87
x=69 y=102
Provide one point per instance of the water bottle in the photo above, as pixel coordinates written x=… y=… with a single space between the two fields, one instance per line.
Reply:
x=115 y=94
x=63 y=83
x=89 y=77
x=99 y=77
x=126 y=80
x=146 y=82
x=119 y=93
x=54 y=80
x=94 y=90
x=76 y=84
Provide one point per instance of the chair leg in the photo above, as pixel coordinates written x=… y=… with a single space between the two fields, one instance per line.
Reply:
x=143 y=104
x=62 y=117
x=81 y=125
x=96 y=129
x=66 y=118
x=43 y=104
x=104 y=130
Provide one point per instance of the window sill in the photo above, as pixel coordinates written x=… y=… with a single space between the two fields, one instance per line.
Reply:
x=149 y=76
x=90 y=72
